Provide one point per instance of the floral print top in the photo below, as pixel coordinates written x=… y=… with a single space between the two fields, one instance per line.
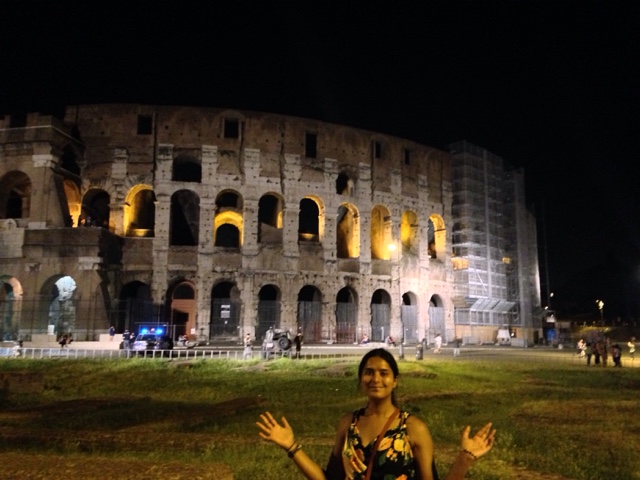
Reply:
x=393 y=460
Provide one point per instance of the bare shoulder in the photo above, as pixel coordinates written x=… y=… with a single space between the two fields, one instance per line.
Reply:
x=416 y=428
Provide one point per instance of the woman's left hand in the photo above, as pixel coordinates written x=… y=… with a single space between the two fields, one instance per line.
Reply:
x=281 y=435
x=481 y=442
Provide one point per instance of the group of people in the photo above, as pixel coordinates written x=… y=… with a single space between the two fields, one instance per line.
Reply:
x=380 y=440
x=600 y=350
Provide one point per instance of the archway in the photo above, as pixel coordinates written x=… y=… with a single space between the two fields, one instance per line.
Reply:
x=346 y=316
x=310 y=313
x=182 y=308
x=409 y=317
x=225 y=311
x=15 y=195
x=380 y=315
x=268 y=310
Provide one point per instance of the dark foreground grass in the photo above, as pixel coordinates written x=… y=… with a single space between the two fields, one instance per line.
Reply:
x=553 y=421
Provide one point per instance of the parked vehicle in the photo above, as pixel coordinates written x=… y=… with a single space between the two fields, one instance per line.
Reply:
x=276 y=340
x=148 y=342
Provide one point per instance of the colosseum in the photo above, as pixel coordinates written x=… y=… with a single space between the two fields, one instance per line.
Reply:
x=216 y=223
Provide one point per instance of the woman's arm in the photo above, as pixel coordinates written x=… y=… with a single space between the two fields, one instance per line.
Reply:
x=282 y=435
x=472 y=449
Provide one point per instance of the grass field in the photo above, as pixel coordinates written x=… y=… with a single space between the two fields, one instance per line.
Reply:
x=553 y=421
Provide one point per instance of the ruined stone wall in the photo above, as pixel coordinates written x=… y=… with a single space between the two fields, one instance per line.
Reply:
x=255 y=155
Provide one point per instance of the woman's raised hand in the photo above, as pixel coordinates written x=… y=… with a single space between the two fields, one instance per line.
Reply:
x=271 y=430
x=481 y=442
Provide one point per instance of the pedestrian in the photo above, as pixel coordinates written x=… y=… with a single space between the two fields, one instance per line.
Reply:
x=597 y=351
x=126 y=340
x=63 y=340
x=248 y=347
x=616 y=354
x=632 y=348
x=390 y=341
x=438 y=343
x=298 y=341
x=588 y=352
x=456 y=347
x=604 y=354
x=365 y=339
x=379 y=440
x=112 y=333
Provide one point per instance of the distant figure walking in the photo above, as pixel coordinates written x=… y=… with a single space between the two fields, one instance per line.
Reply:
x=456 y=347
x=248 y=347
x=616 y=354
x=298 y=342
x=438 y=343
x=112 y=333
x=632 y=348
x=588 y=352
x=63 y=340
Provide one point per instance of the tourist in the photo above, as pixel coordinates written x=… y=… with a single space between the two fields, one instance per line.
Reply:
x=379 y=439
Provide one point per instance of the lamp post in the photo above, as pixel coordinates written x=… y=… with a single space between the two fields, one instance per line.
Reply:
x=600 y=305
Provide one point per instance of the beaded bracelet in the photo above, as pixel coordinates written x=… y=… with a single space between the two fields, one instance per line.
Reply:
x=293 y=450
x=472 y=455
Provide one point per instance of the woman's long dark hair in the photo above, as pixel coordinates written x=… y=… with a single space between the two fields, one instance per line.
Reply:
x=387 y=357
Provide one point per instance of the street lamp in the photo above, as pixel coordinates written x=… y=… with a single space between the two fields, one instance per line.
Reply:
x=600 y=305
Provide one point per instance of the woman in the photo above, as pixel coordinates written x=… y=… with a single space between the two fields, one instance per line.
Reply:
x=401 y=443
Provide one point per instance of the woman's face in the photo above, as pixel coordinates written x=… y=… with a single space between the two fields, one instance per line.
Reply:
x=377 y=380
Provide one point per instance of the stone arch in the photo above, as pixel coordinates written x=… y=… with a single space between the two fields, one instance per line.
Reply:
x=186 y=168
x=10 y=307
x=182 y=308
x=409 y=232
x=380 y=232
x=436 y=316
x=348 y=231
x=270 y=208
x=437 y=236
x=60 y=294
x=344 y=184
x=74 y=200
x=380 y=315
x=95 y=208
x=346 y=315
x=269 y=307
x=69 y=160
x=310 y=313
x=15 y=195
x=409 y=315
x=228 y=224
x=140 y=211
x=184 y=224
x=225 y=311
x=311 y=219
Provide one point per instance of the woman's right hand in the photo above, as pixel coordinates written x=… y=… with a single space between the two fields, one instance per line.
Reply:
x=480 y=443
x=281 y=435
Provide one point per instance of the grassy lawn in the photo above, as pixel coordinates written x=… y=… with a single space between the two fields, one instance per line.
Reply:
x=553 y=421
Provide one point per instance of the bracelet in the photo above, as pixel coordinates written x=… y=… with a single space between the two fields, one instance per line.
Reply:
x=472 y=455
x=293 y=450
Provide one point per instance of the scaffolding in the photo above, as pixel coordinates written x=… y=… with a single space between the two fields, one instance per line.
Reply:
x=492 y=232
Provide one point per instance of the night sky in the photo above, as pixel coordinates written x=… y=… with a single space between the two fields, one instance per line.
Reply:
x=550 y=86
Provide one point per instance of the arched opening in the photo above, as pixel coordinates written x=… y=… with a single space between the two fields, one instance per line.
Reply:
x=95 y=209
x=268 y=310
x=74 y=201
x=380 y=315
x=15 y=195
x=437 y=237
x=436 y=317
x=225 y=312
x=409 y=233
x=186 y=168
x=270 y=219
x=10 y=303
x=185 y=218
x=310 y=313
x=228 y=221
x=346 y=316
x=347 y=232
x=62 y=306
x=380 y=233
x=308 y=221
x=140 y=212
x=344 y=184
x=182 y=310
x=409 y=317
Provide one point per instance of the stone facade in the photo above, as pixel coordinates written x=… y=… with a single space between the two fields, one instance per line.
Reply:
x=221 y=222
